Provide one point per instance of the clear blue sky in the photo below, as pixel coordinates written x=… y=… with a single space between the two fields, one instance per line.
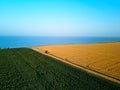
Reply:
x=60 y=17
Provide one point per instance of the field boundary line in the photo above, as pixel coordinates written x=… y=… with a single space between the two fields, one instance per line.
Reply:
x=91 y=71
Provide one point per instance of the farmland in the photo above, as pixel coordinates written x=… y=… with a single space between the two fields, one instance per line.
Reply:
x=100 y=57
x=25 y=69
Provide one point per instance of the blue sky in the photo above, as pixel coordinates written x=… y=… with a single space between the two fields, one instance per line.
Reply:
x=60 y=17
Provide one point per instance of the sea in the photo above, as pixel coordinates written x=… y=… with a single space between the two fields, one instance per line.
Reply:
x=28 y=41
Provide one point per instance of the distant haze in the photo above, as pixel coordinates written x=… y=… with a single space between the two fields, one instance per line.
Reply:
x=60 y=18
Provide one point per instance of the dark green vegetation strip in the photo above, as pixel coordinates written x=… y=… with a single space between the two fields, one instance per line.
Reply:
x=25 y=69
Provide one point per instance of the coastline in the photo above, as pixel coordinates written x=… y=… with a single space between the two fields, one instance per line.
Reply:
x=29 y=41
x=74 y=44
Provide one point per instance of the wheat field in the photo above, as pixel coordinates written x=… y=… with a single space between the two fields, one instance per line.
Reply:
x=101 y=57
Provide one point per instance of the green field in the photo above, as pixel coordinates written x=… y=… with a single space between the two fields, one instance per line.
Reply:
x=25 y=69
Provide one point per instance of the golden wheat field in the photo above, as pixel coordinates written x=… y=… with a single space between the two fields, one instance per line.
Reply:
x=101 y=57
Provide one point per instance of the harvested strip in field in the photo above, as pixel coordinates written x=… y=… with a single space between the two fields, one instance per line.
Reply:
x=101 y=57
x=25 y=69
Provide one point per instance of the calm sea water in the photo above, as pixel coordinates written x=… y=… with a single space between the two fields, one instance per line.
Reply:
x=20 y=41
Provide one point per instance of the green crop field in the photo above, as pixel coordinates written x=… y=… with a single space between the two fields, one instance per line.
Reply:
x=25 y=69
